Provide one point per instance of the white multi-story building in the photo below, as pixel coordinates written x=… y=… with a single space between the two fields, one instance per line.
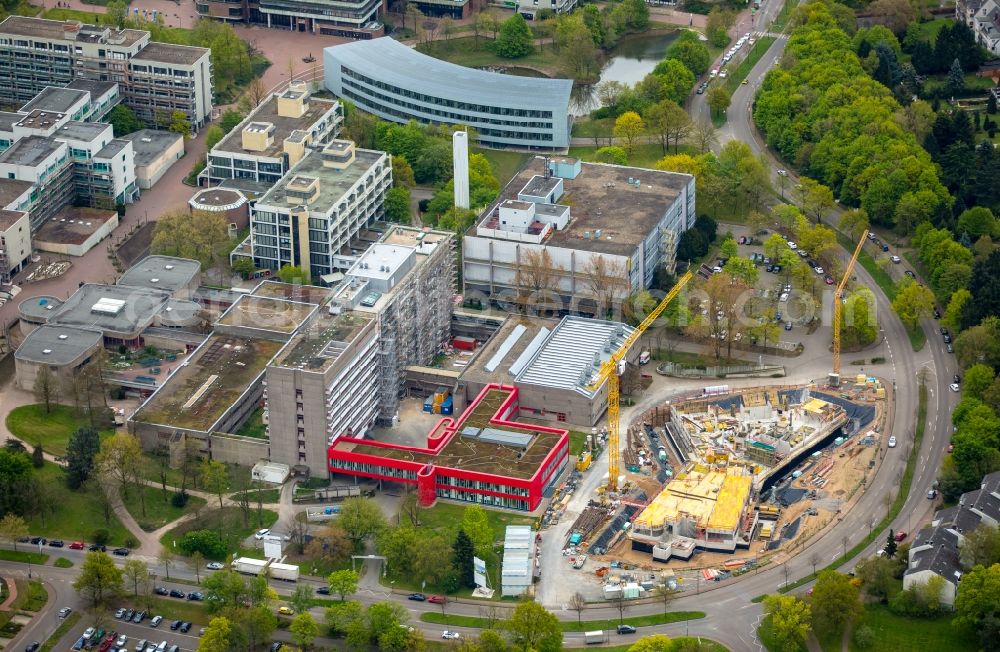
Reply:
x=311 y=215
x=155 y=78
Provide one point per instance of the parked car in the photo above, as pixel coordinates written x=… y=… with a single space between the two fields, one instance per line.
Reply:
x=120 y=552
x=950 y=348
x=121 y=640
x=196 y=596
x=56 y=543
x=788 y=325
x=626 y=629
x=285 y=611
x=161 y=590
x=947 y=339
x=79 y=643
x=32 y=647
x=97 y=547
x=275 y=646
x=416 y=597
x=260 y=534
x=931 y=494
x=910 y=274
x=128 y=615
x=449 y=635
x=437 y=599
x=65 y=611
x=185 y=627
x=174 y=593
x=828 y=280
x=214 y=565
x=39 y=540
x=323 y=590
x=174 y=626
x=900 y=535
x=140 y=646
x=955 y=387
x=137 y=618
x=120 y=613
x=76 y=545
x=89 y=633
x=892 y=441
x=155 y=622
x=885 y=247
x=896 y=259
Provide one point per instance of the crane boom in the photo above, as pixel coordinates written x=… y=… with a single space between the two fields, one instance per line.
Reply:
x=609 y=372
x=838 y=296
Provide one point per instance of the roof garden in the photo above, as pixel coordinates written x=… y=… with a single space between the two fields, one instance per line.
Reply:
x=483 y=454
x=267 y=314
x=292 y=292
x=199 y=392
x=322 y=342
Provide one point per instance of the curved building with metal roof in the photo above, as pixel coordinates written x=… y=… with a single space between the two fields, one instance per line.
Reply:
x=386 y=78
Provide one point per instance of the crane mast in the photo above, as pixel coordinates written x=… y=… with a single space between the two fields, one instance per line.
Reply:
x=838 y=297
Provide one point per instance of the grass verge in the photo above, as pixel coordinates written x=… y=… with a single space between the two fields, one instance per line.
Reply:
x=24 y=557
x=782 y=18
x=505 y=164
x=159 y=509
x=918 y=338
x=569 y=625
x=737 y=76
x=30 y=423
x=31 y=596
x=897 y=504
x=72 y=514
x=64 y=627
x=894 y=632
x=644 y=155
x=62 y=562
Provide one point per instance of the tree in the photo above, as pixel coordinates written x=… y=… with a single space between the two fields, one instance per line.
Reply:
x=476 y=524
x=293 y=274
x=691 y=52
x=462 y=553
x=397 y=205
x=515 y=39
x=670 y=80
x=607 y=282
x=217 y=637
x=890 y=546
x=402 y=172
x=46 y=387
x=229 y=120
x=913 y=303
x=207 y=542
x=116 y=13
x=343 y=583
x=956 y=78
x=790 y=620
x=361 y=519
x=611 y=154
x=717 y=26
x=330 y=545
x=197 y=560
x=835 y=601
x=655 y=643
x=12 y=528
x=536 y=277
x=215 y=478
x=815 y=199
x=99 y=579
x=201 y=236
x=629 y=127
x=952 y=317
x=38 y=457
x=124 y=121
x=15 y=481
x=576 y=47
x=304 y=630
x=665 y=595
x=978 y=379
x=666 y=120
x=578 y=603
x=137 y=573
x=703 y=136
x=854 y=222
x=301 y=598
x=531 y=627
x=977 y=221
x=179 y=124
x=213 y=135
x=894 y=14
x=981 y=547
x=119 y=458
x=718 y=100
x=978 y=595
x=877 y=576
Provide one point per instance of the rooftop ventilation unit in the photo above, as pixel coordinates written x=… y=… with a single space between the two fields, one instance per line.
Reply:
x=106 y=306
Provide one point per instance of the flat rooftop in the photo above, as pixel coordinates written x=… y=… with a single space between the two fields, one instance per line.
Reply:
x=58 y=345
x=199 y=392
x=170 y=53
x=11 y=189
x=53 y=29
x=320 y=344
x=94 y=87
x=413 y=237
x=494 y=359
x=138 y=307
x=84 y=131
x=9 y=218
x=283 y=126
x=8 y=119
x=267 y=314
x=73 y=225
x=217 y=199
x=600 y=197
x=149 y=144
x=112 y=149
x=473 y=453
x=712 y=499
x=333 y=183
x=292 y=292
x=30 y=151
x=166 y=273
x=39 y=308
x=54 y=98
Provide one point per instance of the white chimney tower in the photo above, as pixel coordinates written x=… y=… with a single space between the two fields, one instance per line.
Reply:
x=460 y=156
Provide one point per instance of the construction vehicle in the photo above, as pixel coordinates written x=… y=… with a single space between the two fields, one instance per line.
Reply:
x=612 y=369
x=583 y=462
x=838 y=297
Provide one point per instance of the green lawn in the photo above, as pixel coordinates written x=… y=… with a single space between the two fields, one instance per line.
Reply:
x=228 y=521
x=588 y=128
x=505 y=164
x=31 y=424
x=894 y=633
x=645 y=155
x=62 y=562
x=63 y=629
x=24 y=557
x=159 y=508
x=31 y=596
x=266 y=496
x=75 y=514
x=782 y=18
x=255 y=426
x=571 y=625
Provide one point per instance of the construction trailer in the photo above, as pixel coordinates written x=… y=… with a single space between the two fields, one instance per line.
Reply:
x=250 y=566
x=286 y=572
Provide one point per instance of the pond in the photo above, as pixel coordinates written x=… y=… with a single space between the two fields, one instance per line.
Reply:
x=633 y=58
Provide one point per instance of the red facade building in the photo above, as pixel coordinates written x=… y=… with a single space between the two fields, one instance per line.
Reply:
x=483 y=456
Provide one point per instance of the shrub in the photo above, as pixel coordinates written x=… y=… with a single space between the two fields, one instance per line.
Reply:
x=206 y=542
x=864 y=637
x=179 y=499
x=100 y=536
x=131 y=542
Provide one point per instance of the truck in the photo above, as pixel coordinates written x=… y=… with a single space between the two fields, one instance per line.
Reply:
x=286 y=572
x=579 y=561
x=249 y=566
x=575 y=538
x=594 y=638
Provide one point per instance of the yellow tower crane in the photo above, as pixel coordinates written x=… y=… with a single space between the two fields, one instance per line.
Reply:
x=610 y=371
x=838 y=297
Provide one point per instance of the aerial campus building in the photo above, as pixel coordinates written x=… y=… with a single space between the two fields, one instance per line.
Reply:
x=356 y=19
x=483 y=456
x=388 y=79
x=591 y=226
x=153 y=77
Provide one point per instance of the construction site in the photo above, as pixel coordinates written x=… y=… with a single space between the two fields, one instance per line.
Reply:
x=712 y=484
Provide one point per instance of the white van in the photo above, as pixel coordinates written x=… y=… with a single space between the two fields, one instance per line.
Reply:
x=644 y=357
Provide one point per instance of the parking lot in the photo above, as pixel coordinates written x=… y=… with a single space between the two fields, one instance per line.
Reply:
x=137 y=632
